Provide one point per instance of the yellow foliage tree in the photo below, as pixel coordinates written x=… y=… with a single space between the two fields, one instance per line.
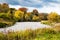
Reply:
x=27 y=16
x=53 y=17
x=19 y=15
x=35 y=18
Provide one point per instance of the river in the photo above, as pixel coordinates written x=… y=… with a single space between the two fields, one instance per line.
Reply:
x=23 y=26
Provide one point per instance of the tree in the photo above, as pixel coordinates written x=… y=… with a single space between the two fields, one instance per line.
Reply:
x=23 y=10
x=53 y=17
x=18 y=15
x=28 y=16
x=35 y=18
x=12 y=10
x=5 y=7
x=6 y=16
x=0 y=8
x=35 y=12
x=58 y=18
x=43 y=16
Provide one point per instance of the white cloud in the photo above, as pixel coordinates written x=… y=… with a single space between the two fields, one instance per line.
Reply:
x=45 y=9
x=49 y=9
x=15 y=6
x=40 y=5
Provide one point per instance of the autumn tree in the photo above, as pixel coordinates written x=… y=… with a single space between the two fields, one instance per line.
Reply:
x=5 y=7
x=53 y=17
x=18 y=15
x=23 y=10
x=43 y=16
x=35 y=12
x=58 y=18
x=0 y=8
x=6 y=16
x=35 y=18
x=12 y=10
x=28 y=16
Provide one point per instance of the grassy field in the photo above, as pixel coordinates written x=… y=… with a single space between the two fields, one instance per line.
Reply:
x=38 y=34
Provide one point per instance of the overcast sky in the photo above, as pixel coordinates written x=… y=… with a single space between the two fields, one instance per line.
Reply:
x=40 y=5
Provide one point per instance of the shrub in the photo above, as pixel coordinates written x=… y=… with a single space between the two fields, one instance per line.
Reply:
x=6 y=24
x=46 y=22
x=2 y=25
x=57 y=27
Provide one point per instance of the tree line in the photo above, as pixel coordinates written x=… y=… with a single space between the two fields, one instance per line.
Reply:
x=21 y=15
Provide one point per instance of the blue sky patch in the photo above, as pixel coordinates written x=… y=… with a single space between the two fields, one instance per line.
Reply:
x=31 y=3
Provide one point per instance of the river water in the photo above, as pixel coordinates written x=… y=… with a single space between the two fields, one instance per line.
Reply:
x=23 y=26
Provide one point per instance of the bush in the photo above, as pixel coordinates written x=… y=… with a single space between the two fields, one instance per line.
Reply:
x=2 y=25
x=6 y=24
x=57 y=26
x=46 y=22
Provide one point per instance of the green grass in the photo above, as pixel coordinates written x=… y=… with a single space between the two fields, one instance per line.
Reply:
x=48 y=37
x=38 y=34
x=46 y=22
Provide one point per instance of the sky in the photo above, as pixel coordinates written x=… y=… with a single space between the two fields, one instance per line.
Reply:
x=41 y=5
